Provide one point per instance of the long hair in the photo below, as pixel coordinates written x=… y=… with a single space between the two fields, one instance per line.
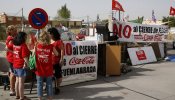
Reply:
x=55 y=34
x=44 y=38
x=11 y=30
x=20 y=38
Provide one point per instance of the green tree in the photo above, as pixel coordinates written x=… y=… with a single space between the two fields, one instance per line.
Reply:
x=105 y=21
x=139 y=20
x=2 y=32
x=64 y=12
x=170 y=21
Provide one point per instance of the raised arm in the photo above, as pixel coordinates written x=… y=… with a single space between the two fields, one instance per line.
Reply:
x=55 y=51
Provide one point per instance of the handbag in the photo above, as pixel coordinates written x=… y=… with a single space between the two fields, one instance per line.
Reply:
x=32 y=60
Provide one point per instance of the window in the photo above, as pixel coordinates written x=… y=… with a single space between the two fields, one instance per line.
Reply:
x=18 y=19
x=10 y=18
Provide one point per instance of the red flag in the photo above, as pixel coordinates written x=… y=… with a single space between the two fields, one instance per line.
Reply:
x=172 y=1
x=172 y=11
x=117 y=6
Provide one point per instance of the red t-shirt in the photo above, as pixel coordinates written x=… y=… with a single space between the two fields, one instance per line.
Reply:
x=9 y=44
x=19 y=53
x=57 y=44
x=44 y=67
x=32 y=42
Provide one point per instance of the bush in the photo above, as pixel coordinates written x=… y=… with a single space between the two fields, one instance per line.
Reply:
x=3 y=35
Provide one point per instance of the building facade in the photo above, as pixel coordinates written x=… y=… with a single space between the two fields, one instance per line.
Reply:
x=73 y=25
x=10 y=19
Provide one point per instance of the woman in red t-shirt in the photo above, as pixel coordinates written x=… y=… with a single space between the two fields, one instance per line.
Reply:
x=20 y=62
x=32 y=41
x=11 y=33
x=57 y=60
x=44 y=68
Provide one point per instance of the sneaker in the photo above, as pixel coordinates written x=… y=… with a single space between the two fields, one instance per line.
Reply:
x=17 y=97
x=25 y=98
x=12 y=93
x=44 y=87
x=57 y=91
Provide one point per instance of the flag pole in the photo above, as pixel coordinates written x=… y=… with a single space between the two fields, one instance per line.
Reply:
x=168 y=20
x=119 y=15
x=112 y=14
x=22 y=21
x=123 y=16
x=170 y=12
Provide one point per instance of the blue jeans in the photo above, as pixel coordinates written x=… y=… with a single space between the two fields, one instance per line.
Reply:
x=21 y=72
x=48 y=86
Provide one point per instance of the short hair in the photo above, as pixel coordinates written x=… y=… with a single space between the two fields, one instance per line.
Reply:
x=55 y=33
x=20 y=38
x=44 y=37
x=10 y=30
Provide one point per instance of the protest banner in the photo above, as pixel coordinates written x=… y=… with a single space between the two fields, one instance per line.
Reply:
x=80 y=61
x=134 y=32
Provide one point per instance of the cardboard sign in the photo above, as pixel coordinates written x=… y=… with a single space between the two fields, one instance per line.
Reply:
x=80 y=61
x=141 y=55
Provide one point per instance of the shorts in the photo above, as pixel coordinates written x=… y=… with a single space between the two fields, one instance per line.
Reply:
x=20 y=72
x=11 y=69
x=58 y=71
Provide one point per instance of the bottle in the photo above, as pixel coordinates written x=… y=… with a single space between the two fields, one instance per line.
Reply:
x=102 y=38
x=98 y=37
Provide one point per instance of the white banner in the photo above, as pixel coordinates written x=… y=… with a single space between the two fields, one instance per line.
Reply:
x=80 y=61
x=133 y=32
x=141 y=55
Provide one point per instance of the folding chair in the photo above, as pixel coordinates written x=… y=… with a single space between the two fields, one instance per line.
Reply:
x=4 y=69
x=5 y=80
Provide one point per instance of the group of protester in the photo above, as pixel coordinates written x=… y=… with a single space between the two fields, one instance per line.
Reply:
x=49 y=58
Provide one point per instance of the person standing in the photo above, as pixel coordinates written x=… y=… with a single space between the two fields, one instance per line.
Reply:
x=32 y=41
x=11 y=33
x=44 y=68
x=20 y=62
x=57 y=60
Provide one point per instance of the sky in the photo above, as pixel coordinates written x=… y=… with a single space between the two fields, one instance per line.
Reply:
x=80 y=9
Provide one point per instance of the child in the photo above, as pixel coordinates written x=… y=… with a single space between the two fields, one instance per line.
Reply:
x=57 y=60
x=11 y=33
x=44 y=68
x=20 y=62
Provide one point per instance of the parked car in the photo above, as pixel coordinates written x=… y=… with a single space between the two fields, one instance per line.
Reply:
x=68 y=36
x=82 y=34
